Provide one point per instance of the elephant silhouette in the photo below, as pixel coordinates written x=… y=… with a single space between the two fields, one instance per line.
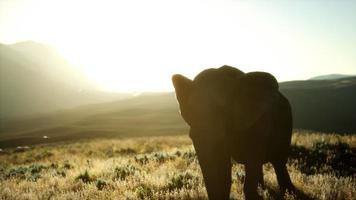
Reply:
x=236 y=116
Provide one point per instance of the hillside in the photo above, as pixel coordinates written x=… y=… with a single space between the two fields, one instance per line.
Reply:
x=323 y=105
x=35 y=79
x=331 y=77
x=326 y=105
x=148 y=114
x=47 y=62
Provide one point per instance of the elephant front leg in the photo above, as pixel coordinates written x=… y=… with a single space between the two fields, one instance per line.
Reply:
x=254 y=176
x=283 y=177
x=216 y=169
x=217 y=181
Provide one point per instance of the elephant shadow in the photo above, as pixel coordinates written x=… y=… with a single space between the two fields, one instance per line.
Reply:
x=324 y=158
x=297 y=193
x=321 y=158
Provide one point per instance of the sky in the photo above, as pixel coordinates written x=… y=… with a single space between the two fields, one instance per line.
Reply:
x=136 y=45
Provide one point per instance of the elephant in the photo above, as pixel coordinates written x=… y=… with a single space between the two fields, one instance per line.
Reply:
x=236 y=116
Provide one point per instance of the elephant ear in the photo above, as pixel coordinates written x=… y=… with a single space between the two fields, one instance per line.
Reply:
x=183 y=87
x=255 y=94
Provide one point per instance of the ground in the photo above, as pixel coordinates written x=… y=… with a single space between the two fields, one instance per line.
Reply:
x=322 y=166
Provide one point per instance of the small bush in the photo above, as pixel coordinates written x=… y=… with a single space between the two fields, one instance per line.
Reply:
x=178 y=153
x=143 y=192
x=121 y=173
x=60 y=172
x=19 y=172
x=127 y=151
x=179 y=181
x=142 y=160
x=54 y=165
x=85 y=177
x=31 y=172
x=162 y=157
x=43 y=155
x=100 y=184
x=67 y=165
x=35 y=169
x=190 y=156
x=34 y=177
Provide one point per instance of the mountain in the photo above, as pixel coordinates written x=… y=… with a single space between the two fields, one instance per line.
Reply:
x=323 y=105
x=320 y=105
x=330 y=77
x=147 y=114
x=47 y=62
x=34 y=78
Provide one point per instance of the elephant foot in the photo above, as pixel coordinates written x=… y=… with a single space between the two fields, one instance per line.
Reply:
x=254 y=176
x=288 y=188
x=254 y=196
x=283 y=178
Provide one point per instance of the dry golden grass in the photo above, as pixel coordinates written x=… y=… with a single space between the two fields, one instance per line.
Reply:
x=166 y=168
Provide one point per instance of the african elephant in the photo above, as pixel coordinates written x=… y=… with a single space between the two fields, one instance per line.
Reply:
x=239 y=116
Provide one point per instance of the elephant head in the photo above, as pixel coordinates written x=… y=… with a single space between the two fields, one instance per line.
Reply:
x=215 y=104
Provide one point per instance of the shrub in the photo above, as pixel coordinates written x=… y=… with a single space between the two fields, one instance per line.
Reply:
x=179 y=181
x=162 y=157
x=127 y=151
x=19 y=172
x=67 y=165
x=100 y=184
x=34 y=177
x=31 y=172
x=54 y=165
x=43 y=155
x=85 y=177
x=142 y=160
x=60 y=172
x=35 y=169
x=178 y=153
x=143 y=192
x=190 y=156
x=122 y=173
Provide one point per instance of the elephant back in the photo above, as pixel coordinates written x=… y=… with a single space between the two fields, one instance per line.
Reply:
x=256 y=82
x=255 y=95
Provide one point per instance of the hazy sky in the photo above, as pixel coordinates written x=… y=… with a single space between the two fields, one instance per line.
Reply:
x=136 y=45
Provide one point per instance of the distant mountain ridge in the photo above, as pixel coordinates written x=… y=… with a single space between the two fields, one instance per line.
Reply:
x=41 y=94
x=319 y=105
x=323 y=105
x=47 y=62
x=34 y=78
x=331 y=76
x=318 y=84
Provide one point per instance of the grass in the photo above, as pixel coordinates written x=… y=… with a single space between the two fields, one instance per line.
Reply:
x=321 y=165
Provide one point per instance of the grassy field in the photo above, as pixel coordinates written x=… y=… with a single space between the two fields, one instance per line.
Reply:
x=321 y=165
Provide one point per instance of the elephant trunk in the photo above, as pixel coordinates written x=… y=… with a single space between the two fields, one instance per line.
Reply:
x=215 y=163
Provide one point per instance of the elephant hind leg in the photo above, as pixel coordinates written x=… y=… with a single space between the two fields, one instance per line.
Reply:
x=254 y=176
x=260 y=177
x=283 y=177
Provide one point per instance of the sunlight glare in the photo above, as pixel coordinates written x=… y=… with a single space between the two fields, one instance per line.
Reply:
x=137 y=45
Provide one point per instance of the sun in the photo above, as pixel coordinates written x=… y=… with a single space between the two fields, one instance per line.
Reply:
x=139 y=45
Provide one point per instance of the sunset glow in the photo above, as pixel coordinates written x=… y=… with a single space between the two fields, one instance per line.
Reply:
x=137 y=45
